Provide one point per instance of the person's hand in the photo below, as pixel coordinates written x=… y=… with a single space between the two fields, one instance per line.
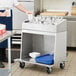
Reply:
x=28 y=12
x=5 y=13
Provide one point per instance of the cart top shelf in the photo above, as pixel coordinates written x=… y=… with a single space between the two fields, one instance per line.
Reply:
x=44 y=29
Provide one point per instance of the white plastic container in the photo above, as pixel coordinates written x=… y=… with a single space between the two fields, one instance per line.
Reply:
x=34 y=54
x=30 y=16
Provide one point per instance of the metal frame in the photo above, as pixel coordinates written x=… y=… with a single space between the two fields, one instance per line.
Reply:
x=59 y=46
x=3 y=37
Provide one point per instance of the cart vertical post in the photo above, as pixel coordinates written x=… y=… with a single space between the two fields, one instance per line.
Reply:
x=9 y=56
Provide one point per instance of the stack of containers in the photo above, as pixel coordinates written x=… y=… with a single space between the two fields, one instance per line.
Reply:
x=2 y=29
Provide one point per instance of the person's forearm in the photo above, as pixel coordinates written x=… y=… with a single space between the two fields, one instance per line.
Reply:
x=3 y=13
x=21 y=8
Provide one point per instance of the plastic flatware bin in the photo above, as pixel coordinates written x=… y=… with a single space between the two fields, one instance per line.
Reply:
x=45 y=59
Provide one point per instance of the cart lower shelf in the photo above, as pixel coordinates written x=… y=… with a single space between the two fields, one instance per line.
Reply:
x=25 y=61
x=32 y=61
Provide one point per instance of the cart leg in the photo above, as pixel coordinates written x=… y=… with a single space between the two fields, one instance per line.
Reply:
x=9 y=56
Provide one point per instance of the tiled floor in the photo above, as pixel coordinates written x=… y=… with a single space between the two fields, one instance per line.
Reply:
x=31 y=70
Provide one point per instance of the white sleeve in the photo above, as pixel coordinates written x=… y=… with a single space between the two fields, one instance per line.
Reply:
x=16 y=2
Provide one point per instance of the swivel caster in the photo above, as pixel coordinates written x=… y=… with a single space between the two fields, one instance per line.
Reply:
x=22 y=65
x=62 y=65
x=49 y=70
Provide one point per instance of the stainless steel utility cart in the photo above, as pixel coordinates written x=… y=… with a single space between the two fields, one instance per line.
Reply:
x=44 y=38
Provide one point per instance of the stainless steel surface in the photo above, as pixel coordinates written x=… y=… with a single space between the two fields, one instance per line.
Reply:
x=71 y=33
x=25 y=0
x=70 y=18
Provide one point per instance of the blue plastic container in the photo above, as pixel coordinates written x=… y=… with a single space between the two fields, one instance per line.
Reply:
x=45 y=59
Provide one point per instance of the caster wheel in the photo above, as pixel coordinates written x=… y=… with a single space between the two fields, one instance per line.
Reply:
x=62 y=65
x=22 y=64
x=49 y=70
